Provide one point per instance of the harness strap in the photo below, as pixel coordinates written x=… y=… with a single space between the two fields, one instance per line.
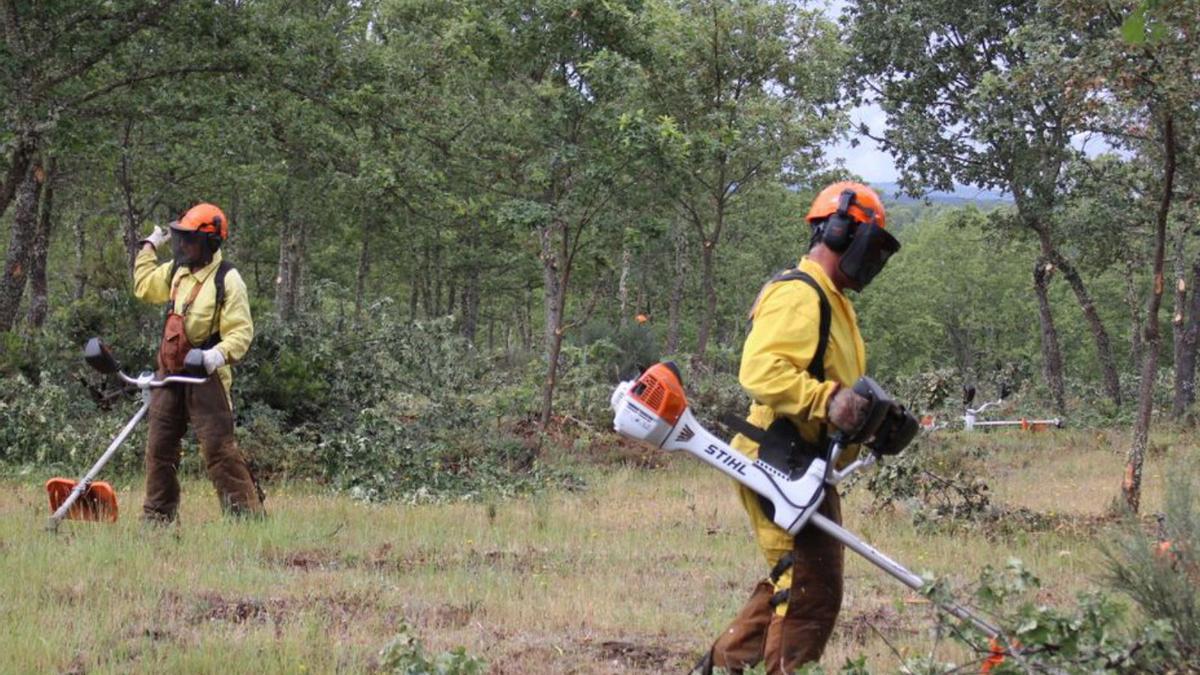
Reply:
x=780 y=597
x=218 y=277
x=782 y=566
x=816 y=367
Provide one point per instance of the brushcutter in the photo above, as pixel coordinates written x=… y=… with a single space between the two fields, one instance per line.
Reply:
x=87 y=498
x=971 y=421
x=654 y=409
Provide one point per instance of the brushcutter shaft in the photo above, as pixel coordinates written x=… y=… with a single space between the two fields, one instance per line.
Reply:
x=83 y=484
x=900 y=572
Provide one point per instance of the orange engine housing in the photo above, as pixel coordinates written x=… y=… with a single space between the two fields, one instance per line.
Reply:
x=660 y=389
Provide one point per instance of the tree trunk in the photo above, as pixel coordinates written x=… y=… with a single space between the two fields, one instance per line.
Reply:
x=1052 y=367
x=1182 y=325
x=21 y=243
x=435 y=273
x=554 y=277
x=133 y=215
x=623 y=285
x=364 y=269
x=1104 y=353
x=292 y=241
x=18 y=166
x=527 y=320
x=551 y=289
x=38 y=292
x=675 y=303
x=1131 y=484
x=469 y=305
x=709 y=288
x=81 y=275
x=1135 y=316
x=426 y=279
x=1185 y=359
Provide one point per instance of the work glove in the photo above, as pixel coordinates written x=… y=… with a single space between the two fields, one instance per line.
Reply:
x=847 y=410
x=158 y=237
x=213 y=359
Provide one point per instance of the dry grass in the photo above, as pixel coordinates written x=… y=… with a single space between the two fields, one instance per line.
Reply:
x=635 y=574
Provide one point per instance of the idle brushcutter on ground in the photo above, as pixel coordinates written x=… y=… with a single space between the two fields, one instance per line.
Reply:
x=971 y=421
x=87 y=498
x=653 y=408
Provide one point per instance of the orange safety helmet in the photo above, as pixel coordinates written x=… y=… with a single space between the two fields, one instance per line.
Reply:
x=206 y=218
x=198 y=235
x=865 y=207
x=849 y=219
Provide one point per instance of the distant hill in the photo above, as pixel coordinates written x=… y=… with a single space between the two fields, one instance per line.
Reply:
x=961 y=195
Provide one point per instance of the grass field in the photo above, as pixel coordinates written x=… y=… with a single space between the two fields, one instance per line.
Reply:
x=636 y=573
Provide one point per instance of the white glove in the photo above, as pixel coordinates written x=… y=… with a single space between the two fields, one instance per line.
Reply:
x=158 y=237
x=213 y=359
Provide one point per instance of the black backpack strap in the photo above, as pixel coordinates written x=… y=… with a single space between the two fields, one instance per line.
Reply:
x=816 y=367
x=222 y=270
x=219 y=279
x=781 y=445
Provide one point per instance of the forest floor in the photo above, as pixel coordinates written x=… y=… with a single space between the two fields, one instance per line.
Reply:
x=635 y=573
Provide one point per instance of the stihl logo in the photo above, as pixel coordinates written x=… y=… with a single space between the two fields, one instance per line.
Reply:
x=726 y=459
x=685 y=435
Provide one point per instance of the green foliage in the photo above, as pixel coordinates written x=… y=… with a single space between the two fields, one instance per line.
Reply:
x=405 y=655
x=630 y=347
x=1092 y=636
x=1160 y=571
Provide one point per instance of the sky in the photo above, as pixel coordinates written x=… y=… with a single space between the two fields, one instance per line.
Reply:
x=867 y=160
x=875 y=165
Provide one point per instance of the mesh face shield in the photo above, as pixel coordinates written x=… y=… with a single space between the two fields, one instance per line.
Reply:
x=867 y=254
x=192 y=248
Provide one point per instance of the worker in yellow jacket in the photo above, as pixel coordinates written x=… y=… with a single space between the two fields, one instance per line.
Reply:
x=800 y=361
x=207 y=308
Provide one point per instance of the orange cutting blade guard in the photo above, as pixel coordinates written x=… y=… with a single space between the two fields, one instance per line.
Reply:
x=98 y=502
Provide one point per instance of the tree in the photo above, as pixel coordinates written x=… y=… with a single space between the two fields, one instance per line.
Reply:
x=975 y=93
x=1147 y=64
x=549 y=131
x=745 y=93
x=59 y=62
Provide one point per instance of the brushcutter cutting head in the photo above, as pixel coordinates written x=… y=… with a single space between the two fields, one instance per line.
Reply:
x=97 y=503
x=97 y=355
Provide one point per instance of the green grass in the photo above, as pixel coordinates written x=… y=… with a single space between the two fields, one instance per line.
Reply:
x=637 y=573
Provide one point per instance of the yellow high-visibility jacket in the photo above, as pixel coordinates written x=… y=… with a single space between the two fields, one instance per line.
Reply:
x=774 y=372
x=151 y=285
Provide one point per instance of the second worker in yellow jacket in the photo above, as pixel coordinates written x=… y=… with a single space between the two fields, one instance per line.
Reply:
x=207 y=308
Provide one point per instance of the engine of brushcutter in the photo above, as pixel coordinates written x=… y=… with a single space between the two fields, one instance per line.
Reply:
x=654 y=409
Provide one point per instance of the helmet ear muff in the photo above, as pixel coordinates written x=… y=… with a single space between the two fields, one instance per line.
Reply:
x=838 y=229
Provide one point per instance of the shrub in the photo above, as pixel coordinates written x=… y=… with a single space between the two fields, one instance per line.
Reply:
x=1161 y=571
x=405 y=654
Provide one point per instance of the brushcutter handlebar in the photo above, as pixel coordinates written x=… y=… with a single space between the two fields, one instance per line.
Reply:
x=99 y=357
x=146 y=380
